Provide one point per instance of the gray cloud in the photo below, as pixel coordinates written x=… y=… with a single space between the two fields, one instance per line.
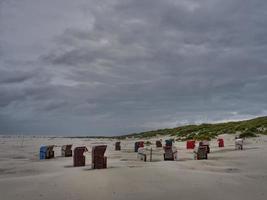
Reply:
x=68 y=67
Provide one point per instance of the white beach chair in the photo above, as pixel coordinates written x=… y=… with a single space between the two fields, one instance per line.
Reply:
x=239 y=144
x=141 y=155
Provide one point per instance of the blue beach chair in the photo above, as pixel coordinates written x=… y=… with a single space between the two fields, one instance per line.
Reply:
x=43 y=150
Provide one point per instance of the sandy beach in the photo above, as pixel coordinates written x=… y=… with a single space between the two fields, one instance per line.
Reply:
x=227 y=174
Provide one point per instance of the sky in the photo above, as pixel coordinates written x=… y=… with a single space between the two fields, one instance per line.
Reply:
x=112 y=67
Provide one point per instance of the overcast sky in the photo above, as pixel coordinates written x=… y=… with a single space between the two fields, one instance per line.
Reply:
x=109 y=67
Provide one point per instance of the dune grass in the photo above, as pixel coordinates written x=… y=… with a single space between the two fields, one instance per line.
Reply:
x=247 y=128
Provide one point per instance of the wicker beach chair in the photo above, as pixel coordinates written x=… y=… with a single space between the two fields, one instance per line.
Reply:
x=117 y=146
x=50 y=152
x=201 y=153
x=170 y=153
x=78 y=157
x=158 y=144
x=66 y=150
x=99 y=161
x=239 y=144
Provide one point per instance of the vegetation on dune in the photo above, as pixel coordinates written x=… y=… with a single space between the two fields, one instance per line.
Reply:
x=148 y=143
x=247 y=128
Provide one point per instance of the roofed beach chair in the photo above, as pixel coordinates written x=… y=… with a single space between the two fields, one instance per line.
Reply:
x=50 y=152
x=78 y=157
x=220 y=142
x=99 y=161
x=190 y=144
x=239 y=144
x=201 y=152
x=66 y=150
x=141 y=154
x=42 y=154
x=170 y=153
x=158 y=144
x=137 y=145
x=117 y=146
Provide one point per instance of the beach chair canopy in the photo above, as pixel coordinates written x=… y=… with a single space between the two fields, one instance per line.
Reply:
x=169 y=142
x=66 y=147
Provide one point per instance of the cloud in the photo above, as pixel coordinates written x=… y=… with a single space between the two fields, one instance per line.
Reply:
x=128 y=66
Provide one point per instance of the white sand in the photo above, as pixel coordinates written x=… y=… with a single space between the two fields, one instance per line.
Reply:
x=228 y=174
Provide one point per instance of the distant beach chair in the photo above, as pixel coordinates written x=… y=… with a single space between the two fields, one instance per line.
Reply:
x=170 y=153
x=239 y=144
x=137 y=145
x=42 y=154
x=205 y=143
x=190 y=144
x=201 y=152
x=117 y=146
x=78 y=157
x=66 y=150
x=141 y=154
x=99 y=161
x=158 y=144
x=220 y=142
x=50 y=152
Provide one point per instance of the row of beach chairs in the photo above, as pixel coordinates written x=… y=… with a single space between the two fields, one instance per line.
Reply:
x=99 y=161
x=47 y=152
x=200 y=152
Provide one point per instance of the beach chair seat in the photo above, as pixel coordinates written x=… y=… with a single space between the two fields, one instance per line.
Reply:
x=66 y=150
x=99 y=161
x=170 y=153
x=78 y=157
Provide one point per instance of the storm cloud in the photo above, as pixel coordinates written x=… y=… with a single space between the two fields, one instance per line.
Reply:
x=89 y=67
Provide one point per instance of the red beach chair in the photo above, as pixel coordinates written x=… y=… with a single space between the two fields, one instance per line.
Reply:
x=220 y=142
x=137 y=145
x=190 y=144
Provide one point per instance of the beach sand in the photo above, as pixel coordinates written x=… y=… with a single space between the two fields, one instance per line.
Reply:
x=227 y=174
